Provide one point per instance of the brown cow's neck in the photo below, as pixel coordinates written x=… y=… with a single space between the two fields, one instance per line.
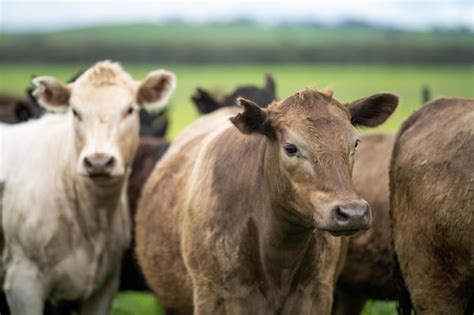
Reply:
x=284 y=237
x=284 y=243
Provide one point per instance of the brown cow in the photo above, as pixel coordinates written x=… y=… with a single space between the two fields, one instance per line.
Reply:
x=368 y=268
x=234 y=222
x=432 y=206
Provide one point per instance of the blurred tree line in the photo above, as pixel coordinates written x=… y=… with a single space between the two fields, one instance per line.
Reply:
x=241 y=42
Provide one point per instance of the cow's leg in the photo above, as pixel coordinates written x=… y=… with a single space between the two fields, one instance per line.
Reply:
x=212 y=300
x=101 y=300
x=430 y=290
x=207 y=301
x=347 y=303
x=24 y=289
x=430 y=298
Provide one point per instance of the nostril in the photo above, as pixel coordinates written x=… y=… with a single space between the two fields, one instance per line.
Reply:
x=87 y=163
x=341 y=215
x=110 y=162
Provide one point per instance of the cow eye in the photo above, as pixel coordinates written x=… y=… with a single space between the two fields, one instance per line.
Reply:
x=356 y=143
x=290 y=149
x=129 y=111
x=76 y=114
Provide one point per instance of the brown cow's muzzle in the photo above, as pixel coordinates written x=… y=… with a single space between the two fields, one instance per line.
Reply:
x=349 y=218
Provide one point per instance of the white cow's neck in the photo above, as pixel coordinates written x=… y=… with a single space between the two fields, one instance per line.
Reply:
x=95 y=202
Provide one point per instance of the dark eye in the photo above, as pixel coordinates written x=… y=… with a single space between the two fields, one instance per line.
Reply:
x=76 y=114
x=291 y=149
x=130 y=110
x=356 y=143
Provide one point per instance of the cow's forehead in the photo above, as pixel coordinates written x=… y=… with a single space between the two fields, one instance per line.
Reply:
x=103 y=85
x=102 y=96
x=104 y=73
x=310 y=104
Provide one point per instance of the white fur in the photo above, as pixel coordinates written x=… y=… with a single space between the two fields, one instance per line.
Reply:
x=55 y=225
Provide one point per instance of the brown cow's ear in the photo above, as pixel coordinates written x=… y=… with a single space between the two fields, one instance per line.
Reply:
x=154 y=92
x=51 y=93
x=253 y=119
x=373 y=110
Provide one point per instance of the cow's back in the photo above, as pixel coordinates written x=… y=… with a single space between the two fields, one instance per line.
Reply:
x=432 y=195
x=158 y=228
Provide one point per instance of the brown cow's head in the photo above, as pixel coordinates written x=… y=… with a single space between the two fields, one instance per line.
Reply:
x=309 y=157
x=102 y=105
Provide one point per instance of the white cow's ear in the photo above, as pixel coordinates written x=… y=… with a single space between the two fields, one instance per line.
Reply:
x=51 y=93
x=154 y=92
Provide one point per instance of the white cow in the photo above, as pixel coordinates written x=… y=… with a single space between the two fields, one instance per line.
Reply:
x=66 y=221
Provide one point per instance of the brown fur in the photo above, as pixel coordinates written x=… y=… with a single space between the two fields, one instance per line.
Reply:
x=367 y=273
x=227 y=224
x=15 y=110
x=432 y=206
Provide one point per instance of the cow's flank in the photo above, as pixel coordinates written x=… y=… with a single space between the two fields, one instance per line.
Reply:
x=432 y=198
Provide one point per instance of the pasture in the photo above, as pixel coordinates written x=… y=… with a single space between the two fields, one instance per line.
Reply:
x=348 y=81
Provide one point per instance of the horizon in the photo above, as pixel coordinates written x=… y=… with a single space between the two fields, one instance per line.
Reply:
x=405 y=15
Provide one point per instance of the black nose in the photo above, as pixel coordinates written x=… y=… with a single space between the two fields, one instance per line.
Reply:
x=351 y=217
x=99 y=164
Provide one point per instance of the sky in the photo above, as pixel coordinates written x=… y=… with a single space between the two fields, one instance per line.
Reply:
x=41 y=15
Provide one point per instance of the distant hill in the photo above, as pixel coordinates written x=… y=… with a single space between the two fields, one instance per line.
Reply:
x=240 y=41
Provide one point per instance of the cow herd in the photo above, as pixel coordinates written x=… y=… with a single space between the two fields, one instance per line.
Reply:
x=268 y=207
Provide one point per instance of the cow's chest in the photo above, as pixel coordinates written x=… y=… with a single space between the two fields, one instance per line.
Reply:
x=77 y=257
x=82 y=269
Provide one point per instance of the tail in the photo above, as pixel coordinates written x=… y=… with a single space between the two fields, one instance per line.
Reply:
x=404 y=305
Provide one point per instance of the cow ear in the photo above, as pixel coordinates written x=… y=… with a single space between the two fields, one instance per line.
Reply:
x=253 y=119
x=270 y=84
x=204 y=101
x=51 y=94
x=154 y=92
x=373 y=110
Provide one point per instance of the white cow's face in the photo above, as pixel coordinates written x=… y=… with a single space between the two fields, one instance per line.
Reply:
x=103 y=106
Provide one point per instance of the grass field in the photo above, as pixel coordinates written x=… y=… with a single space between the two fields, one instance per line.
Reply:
x=348 y=81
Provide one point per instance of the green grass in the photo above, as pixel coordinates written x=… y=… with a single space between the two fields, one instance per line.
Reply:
x=132 y=303
x=348 y=81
